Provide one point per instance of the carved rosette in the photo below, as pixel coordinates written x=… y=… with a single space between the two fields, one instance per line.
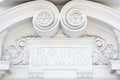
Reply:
x=46 y=21
x=100 y=43
x=74 y=21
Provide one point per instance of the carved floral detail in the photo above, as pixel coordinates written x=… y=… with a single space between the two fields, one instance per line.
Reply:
x=104 y=52
x=100 y=43
x=43 y=19
x=17 y=54
x=75 y=17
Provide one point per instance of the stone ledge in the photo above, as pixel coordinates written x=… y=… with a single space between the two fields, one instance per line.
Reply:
x=115 y=67
x=5 y=66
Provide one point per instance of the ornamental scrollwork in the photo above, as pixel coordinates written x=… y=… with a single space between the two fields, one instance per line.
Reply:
x=17 y=54
x=104 y=52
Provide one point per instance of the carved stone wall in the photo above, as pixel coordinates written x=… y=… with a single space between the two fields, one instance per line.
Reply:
x=39 y=36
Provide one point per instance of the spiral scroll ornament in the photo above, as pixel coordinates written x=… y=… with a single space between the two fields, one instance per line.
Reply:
x=74 y=21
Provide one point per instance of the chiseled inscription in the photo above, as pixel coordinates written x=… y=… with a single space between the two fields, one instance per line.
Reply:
x=62 y=56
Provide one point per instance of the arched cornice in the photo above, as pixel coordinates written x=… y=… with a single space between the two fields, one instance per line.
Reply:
x=27 y=10
x=21 y=12
x=114 y=2
x=98 y=11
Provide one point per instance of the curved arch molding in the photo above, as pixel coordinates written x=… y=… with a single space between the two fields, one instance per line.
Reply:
x=94 y=10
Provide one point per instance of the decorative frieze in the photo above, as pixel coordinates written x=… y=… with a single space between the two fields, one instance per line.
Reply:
x=18 y=54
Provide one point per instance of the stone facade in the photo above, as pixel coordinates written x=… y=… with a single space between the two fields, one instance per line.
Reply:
x=59 y=39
